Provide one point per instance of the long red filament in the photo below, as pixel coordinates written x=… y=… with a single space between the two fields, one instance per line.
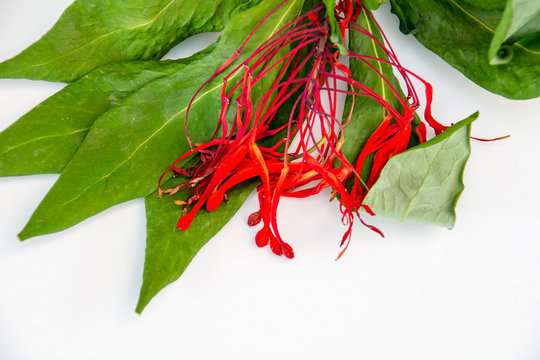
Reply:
x=307 y=70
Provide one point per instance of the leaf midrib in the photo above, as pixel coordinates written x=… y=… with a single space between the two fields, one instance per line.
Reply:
x=144 y=142
x=42 y=138
x=411 y=199
x=379 y=64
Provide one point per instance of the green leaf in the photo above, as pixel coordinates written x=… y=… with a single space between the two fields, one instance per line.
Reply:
x=129 y=147
x=367 y=113
x=461 y=34
x=45 y=139
x=91 y=33
x=424 y=183
x=169 y=250
x=408 y=18
x=520 y=18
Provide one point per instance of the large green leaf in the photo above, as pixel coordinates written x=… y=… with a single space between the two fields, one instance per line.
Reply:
x=424 y=183
x=96 y=32
x=129 y=147
x=45 y=139
x=520 y=18
x=461 y=34
x=169 y=250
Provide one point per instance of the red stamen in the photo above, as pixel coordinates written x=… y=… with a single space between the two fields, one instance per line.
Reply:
x=234 y=154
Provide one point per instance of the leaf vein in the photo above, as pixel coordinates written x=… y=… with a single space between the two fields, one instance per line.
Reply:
x=142 y=144
x=99 y=38
x=42 y=138
x=423 y=182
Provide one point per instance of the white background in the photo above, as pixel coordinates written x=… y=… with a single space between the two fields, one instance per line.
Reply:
x=420 y=293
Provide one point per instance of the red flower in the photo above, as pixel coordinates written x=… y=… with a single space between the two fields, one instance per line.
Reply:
x=308 y=69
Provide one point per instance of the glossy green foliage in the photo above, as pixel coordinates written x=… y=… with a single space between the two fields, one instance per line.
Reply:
x=461 y=33
x=91 y=33
x=119 y=102
x=129 y=147
x=424 y=183
x=113 y=131
x=45 y=139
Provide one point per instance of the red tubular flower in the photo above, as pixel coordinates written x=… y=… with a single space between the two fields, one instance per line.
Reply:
x=308 y=69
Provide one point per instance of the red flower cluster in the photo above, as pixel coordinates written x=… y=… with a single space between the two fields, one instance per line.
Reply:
x=306 y=67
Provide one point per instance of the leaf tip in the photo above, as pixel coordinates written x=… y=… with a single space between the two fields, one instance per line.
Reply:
x=139 y=310
x=23 y=236
x=140 y=306
x=146 y=294
x=30 y=231
x=451 y=223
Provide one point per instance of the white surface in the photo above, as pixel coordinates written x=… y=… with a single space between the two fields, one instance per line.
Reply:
x=420 y=293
